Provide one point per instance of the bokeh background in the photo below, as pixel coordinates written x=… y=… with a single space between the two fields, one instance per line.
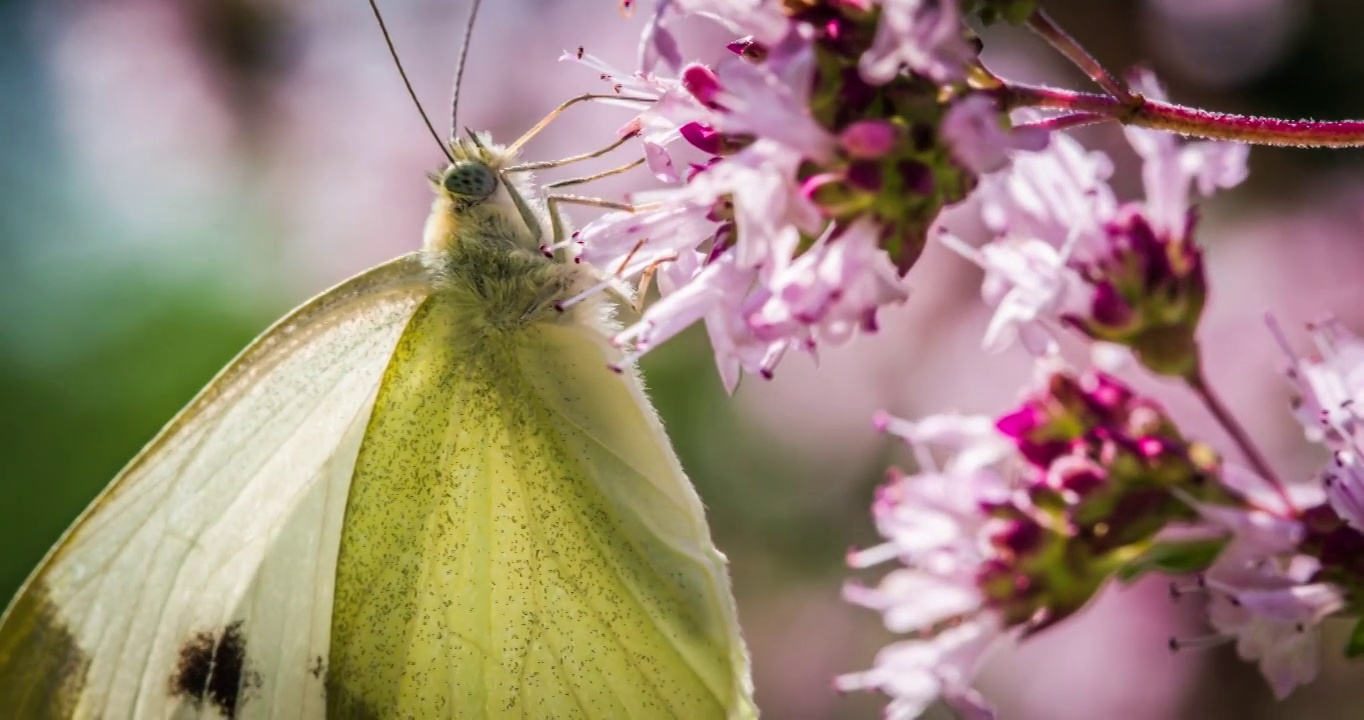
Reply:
x=177 y=173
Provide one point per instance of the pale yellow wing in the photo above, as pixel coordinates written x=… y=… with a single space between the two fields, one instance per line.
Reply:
x=200 y=582
x=520 y=541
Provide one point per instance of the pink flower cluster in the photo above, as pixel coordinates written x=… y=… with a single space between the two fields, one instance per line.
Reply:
x=792 y=224
x=1066 y=253
x=1029 y=517
x=803 y=175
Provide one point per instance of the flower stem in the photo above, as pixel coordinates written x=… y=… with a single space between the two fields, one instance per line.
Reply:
x=1042 y=24
x=1198 y=382
x=1192 y=122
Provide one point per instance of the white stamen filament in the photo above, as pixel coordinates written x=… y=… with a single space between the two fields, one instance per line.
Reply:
x=1205 y=642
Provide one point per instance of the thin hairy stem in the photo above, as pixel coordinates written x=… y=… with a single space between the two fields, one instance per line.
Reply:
x=1198 y=382
x=1191 y=122
x=1042 y=24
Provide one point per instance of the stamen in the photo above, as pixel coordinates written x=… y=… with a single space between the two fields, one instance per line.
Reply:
x=960 y=247
x=1181 y=590
x=626 y=360
x=1280 y=338
x=875 y=555
x=561 y=245
x=563 y=305
x=627 y=336
x=1206 y=642
x=923 y=457
x=1322 y=338
x=621 y=273
x=769 y=362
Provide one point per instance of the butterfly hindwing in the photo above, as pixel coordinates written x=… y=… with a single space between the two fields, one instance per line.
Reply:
x=518 y=519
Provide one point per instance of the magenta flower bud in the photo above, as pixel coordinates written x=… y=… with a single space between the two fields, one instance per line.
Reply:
x=1110 y=308
x=1020 y=423
x=694 y=169
x=1018 y=537
x=1028 y=428
x=917 y=177
x=1076 y=475
x=817 y=188
x=747 y=48
x=1106 y=393
x=702 y=83
x=703 y=137
x=869 y=139
x=865 y=175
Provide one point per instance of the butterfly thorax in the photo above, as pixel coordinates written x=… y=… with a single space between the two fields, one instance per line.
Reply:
x=482 y=243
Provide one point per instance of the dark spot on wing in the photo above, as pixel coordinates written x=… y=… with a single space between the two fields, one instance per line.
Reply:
x=317 y=668
x=42 y=669
x=212 y=669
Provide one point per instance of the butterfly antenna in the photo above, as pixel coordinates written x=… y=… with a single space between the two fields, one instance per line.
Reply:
x=459 y=69
x=393 y=52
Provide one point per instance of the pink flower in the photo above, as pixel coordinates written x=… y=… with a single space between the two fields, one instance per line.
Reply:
x=1129 y=275
x=1344 y=482
x=1276 y=620
x=1030 y=283
x=1330 y=387
x=927 y=36
x=935 y=523
x=831 y=290
x=728 y=240
x=978 y=139
x=1170 y=166
x=1262 y=594
x=915 y=673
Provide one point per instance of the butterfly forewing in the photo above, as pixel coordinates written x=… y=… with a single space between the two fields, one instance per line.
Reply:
x=201 y=579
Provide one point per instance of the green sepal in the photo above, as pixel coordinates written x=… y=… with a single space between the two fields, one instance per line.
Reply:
x=1354 y=647
x=1174 y=558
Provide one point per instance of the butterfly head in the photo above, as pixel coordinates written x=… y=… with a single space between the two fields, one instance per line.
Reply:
x=474 y=172
x=479 y=200
x=469 y=181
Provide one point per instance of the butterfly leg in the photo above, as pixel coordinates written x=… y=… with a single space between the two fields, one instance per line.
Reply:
x=556 y=222
x=595 y=176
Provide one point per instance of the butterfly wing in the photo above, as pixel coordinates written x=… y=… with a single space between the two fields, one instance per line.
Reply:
x=521 y=541
x=200 y=581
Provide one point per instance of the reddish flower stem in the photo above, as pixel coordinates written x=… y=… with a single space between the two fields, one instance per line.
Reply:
x=1191 y=122
x=1042 y=24
x=1198 y=382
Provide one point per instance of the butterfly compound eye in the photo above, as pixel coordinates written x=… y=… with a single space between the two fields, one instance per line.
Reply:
x=471 y=180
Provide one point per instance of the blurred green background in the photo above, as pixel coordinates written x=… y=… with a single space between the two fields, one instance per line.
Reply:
x=178 y=173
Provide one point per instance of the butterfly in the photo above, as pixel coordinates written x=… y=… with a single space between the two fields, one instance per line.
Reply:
x=421 y=494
